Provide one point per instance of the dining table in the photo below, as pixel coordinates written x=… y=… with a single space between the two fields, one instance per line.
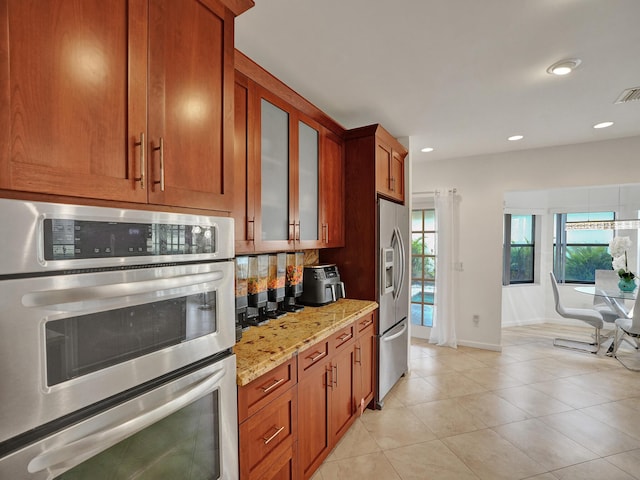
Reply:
x=614 y=297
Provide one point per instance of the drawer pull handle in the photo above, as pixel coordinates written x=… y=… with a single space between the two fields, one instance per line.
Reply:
x=316 y=355
x=344 y=336
x=273 y=385
x=366 y=323
x=268 y=439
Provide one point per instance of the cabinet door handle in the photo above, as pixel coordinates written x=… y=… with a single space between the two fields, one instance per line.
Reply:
x=273 y=385
x=358 y=359
x=325 y=232
x=142 y=161
x=297 y=232
x=292 y=231
x=335 y=377
x=328 y=382
x=344 y=336
x=277 y=432
x=251 y=228
x=316 y=355
x=161 y=148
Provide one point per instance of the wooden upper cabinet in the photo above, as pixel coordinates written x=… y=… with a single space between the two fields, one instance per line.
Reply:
x=120 y=100
x=332 y=190
x=74 y=96
x=390 y=168
x=373 y=149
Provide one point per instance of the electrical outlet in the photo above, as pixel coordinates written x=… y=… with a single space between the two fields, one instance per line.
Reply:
x=476 y=319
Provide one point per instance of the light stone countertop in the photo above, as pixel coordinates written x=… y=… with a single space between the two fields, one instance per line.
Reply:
x=264 y=348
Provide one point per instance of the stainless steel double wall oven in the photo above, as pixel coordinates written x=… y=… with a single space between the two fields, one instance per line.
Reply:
x=116 y=330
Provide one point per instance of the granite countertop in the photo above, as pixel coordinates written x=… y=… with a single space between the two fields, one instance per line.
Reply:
x=264 y=348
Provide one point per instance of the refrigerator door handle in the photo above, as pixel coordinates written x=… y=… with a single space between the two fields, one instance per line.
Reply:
x=396 y=335
x=397 y=239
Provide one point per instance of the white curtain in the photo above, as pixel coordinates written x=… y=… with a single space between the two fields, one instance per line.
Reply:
x=443 y=332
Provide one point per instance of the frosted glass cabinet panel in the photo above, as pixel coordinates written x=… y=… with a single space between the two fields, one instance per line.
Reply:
x=274 y=147
x=308 y=182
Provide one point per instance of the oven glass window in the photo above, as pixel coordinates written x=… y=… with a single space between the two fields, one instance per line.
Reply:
x=76 y=346
x=184 y=445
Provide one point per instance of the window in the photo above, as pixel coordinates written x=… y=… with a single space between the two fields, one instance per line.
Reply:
x=519 y=249
x=577 y=254
x=423 y=266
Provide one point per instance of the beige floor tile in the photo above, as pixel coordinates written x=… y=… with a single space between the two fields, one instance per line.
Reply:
x=415 y=390
x=449 y=385
x=430 y=365
x=393 y=399
x=491 y=409
x=532 y=401
x=491 y=457
x=627 y=461
x=591 y=433
x=461 y=362
x=527 y=374
x=366 y=466
x=545 y=445
x=396 y=427
x=430 y=460
x=317 y=476
x=568 y=392
x=492 y=378
x=594 y=470
x=357 y=441
x=447 y=417
x=544 y=476
x=618 y=416
x=613 y=384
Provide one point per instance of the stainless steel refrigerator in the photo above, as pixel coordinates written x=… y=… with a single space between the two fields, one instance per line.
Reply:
x=394 y=271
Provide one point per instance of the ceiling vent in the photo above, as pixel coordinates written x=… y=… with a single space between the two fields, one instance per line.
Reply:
x=629 y=95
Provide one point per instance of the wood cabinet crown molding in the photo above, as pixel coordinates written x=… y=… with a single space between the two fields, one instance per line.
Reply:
x=250 y=69
x=238 y=6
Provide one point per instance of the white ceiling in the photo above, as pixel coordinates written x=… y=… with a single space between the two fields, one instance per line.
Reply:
x=457 y=75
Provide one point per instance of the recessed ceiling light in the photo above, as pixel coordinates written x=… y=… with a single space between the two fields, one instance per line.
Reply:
x=603 y=125
x=564 y=67
x=514 y=138
x=426 y=149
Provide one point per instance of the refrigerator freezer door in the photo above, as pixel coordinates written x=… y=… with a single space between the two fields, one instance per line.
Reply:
x=386 y=229
x=393 y=221
x=393 y=357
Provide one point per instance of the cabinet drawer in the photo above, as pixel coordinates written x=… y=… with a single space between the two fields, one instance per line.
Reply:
x=343 y=336
x=365 y=322
x=272 y=428
x=255 y=395
x=312 y=356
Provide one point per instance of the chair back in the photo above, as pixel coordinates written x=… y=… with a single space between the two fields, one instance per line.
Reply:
x=635 y=315
x=556 y=295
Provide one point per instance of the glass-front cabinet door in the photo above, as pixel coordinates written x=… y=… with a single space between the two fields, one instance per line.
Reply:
x=288 y=213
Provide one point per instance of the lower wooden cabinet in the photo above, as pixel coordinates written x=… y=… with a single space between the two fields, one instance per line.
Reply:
x=268 y=430
x=291 y=417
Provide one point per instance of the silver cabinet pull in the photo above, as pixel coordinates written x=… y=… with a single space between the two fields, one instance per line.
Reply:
x=161 y=148
x=358 y=358
x=316 y=355
x=251 y=223
x=268 y=439
x=273 y=385
x=335 y=378
x=344 y=336
x=142 y=160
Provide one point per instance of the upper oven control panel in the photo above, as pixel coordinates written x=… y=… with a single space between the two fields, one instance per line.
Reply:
x=76 y=239
x=41 y=237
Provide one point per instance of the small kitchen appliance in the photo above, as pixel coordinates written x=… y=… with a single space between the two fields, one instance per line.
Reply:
x=321 y=285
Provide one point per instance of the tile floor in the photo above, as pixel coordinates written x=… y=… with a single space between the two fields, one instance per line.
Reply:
x=532 y=411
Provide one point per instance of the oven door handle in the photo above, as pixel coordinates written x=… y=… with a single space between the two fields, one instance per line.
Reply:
x=49 y=298
x=73 y=453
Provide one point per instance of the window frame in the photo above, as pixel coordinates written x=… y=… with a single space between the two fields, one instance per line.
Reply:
x=560 y=252
x=422 y=257
x=508 y=245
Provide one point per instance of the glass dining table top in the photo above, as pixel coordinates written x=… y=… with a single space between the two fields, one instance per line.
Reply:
x=608 y=292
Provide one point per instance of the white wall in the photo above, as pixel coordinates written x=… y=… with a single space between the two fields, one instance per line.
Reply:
x=482 y=182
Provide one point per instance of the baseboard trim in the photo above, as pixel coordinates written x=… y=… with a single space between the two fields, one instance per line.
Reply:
x=483 y=346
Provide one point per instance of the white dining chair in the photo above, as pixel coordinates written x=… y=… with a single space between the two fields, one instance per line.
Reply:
x=628 y=329
x=587 y=315
x=606 y=280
